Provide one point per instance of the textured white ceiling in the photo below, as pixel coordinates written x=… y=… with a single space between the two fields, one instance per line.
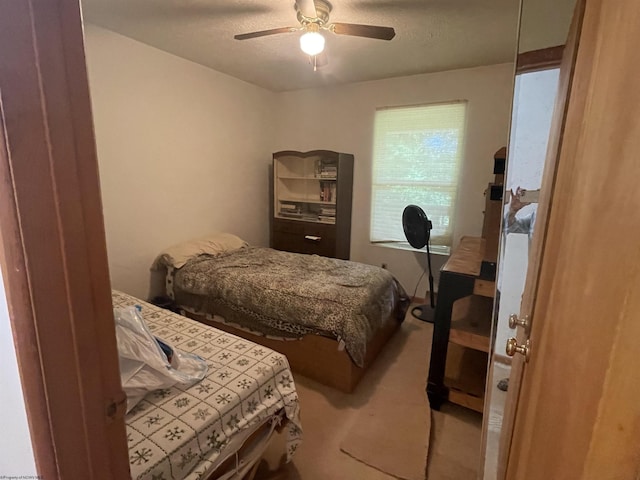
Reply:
x=544 y=23
x=431 y=35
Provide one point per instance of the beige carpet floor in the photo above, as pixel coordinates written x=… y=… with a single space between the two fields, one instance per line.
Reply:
x=331 y=419
x=455 y=444
x=391 y=431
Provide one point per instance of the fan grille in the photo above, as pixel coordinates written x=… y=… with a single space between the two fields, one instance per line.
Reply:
x=416 y=226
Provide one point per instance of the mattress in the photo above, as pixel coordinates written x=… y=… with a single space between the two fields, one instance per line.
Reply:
x=185 y=433
x=282 y=294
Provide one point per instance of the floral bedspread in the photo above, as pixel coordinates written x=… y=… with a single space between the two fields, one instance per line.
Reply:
x=179 y=433
x=284 y=294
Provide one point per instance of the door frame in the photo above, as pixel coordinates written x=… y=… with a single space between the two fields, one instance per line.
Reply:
x=525 y=62
x=53 y=248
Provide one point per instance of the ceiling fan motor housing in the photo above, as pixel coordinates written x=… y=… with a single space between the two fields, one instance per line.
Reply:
x=323 y=9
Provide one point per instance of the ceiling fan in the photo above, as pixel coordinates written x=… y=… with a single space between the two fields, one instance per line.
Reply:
x=313 y=16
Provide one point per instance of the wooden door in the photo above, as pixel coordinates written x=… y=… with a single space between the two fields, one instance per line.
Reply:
x=578 y=415
x=529 y=295
x=52 y=246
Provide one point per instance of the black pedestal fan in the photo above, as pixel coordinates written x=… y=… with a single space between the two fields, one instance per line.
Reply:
x=417 y=229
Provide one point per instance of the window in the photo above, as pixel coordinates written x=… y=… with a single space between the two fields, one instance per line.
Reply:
x=417 y=154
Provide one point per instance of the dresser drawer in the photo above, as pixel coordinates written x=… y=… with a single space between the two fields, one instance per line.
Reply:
x=304 y=237
x=288 y=226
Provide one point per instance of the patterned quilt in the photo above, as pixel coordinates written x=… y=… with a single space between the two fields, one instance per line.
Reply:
x=179 y=433
x=284 y=294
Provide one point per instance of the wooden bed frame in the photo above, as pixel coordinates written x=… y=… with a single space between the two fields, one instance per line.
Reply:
x=315 y=356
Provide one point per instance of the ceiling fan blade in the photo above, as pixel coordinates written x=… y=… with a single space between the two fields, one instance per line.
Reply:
x=264 y=33
x=307 y=8
x=369 y=31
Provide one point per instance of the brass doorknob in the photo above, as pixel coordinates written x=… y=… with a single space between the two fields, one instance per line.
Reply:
x=523 y=322
x=513 y=348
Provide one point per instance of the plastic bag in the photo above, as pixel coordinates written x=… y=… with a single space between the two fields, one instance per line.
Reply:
x=144 y=366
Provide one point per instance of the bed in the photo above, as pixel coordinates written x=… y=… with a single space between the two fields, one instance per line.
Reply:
x=219 y=427
x=329 y=317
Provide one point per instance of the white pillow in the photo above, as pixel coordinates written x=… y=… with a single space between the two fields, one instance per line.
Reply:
x=215 y=244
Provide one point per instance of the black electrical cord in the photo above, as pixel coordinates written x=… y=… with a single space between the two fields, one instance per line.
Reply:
x=418 y=283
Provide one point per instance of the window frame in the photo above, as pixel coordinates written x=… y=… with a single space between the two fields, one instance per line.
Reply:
x=439 y=247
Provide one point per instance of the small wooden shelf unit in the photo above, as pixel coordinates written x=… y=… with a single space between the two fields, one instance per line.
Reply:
x=467 y=354
x=462 y=330
x=464 y=312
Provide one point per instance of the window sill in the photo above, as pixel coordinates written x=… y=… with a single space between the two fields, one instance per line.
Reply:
x=434 y=249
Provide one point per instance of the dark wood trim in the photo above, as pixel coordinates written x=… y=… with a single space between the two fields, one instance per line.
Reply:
x=537 y=60
x=311 y=153
x=53 y=245
x=16 y=286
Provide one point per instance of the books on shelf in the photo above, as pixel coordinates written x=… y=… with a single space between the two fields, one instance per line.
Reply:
x=327 y=191
x=328 y=171
x=289 y=207
x=326 y=219
x=290 y=214
x=328 y=211
x=290 y=210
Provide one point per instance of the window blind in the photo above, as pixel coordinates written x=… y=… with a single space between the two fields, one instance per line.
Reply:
x=417 y=155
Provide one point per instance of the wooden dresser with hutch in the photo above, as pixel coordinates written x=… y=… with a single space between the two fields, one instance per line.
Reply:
x=311 y=211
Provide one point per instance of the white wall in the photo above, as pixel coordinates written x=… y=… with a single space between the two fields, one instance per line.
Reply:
x=341 y=119
x=16 y=452
x=534 y=97
x=183 y=151
x=533 y=102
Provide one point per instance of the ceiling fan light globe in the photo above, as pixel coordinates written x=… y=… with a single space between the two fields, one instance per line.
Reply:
x=312 y=43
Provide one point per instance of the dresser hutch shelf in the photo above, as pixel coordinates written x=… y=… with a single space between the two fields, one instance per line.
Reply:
x=311 y=211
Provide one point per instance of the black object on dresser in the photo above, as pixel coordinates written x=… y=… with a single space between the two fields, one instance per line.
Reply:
x=312 y=194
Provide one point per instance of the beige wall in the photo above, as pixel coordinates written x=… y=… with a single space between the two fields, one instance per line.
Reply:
x=341 y=119
x=16 y=451
x=183 y=150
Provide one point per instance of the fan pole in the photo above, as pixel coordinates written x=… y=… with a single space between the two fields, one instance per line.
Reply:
x=422 y=312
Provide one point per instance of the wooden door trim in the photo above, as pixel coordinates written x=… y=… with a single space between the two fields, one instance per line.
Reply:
x=53 y=249
x=536 y=60
x=16 y=286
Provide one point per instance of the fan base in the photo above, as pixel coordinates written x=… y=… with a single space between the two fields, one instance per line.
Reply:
x=323 y=9
x=424 y=313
